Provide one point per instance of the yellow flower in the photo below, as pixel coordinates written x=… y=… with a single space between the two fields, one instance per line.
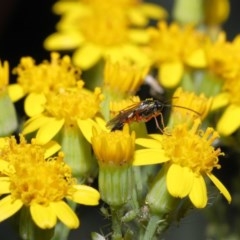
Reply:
x=69 y=107
x=114 y=148
x=169 y=52
x=225 y=62
x=40 y=184
x=223 y=58
x=229 y=122
x=188 y=106
x=96 y=31
x=137 y=11
x=124 y=77
x=114 y=152
x=121 y=80
x=190 y=157
x=47 y=76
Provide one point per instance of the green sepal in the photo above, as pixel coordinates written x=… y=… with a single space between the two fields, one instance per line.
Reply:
x=158 y=198
x=115 y=184
x=77 y=152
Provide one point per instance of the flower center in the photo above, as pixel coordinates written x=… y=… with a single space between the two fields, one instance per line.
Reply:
x=75 y=103
x=192 y=147
x=34 y=179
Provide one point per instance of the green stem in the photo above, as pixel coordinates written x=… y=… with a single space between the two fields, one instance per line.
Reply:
x=152 y=227
x=116 y=224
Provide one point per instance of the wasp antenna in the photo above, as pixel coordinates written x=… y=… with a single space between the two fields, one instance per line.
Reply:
x=199 y=114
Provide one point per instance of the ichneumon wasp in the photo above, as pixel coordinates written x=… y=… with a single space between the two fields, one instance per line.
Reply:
x=141 y=112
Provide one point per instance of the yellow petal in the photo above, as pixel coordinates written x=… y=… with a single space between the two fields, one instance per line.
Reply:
x=148 y=143
x=179 y=180
x=197 y=59
x=65 y=214
x=86 y=127
x=43 y=216
x=4 y=167
x=63 y=41
x=35 y=123
x=221 y=187
x=64 y=6
x=157 y=137
x=230 y=120
x=134 y=53
x=153 y=11
x=15 y=92
x=137 y=18
x=85 y=195
x=34 y=104
x=8 y=207
x=51 y=148
x=101 y=123
x=87 y=56
x=49 y=130
x=220 y=100
x=149 y=156
x=198 y=193
x=170 y=74
x=4 y=185
x=139 y=36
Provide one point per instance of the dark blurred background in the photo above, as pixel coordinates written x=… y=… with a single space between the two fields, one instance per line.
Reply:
x=24 y=24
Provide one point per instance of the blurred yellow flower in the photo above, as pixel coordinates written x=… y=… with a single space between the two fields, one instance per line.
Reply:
x=216 y=12
x=224 y=61
x=223 y=58
x=173 y=48
x=40 y=185
x=189 y=155
x=124 y=77
x=121 y=80
x=98 y=30
x=138 y=12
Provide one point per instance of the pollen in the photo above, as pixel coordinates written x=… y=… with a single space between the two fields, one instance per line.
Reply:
x=48 y=75
x=192 y=147
x=73 y=103
x=114 y=148
x=34 y=179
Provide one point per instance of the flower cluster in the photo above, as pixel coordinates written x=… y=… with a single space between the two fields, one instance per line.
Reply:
x=88 y=115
